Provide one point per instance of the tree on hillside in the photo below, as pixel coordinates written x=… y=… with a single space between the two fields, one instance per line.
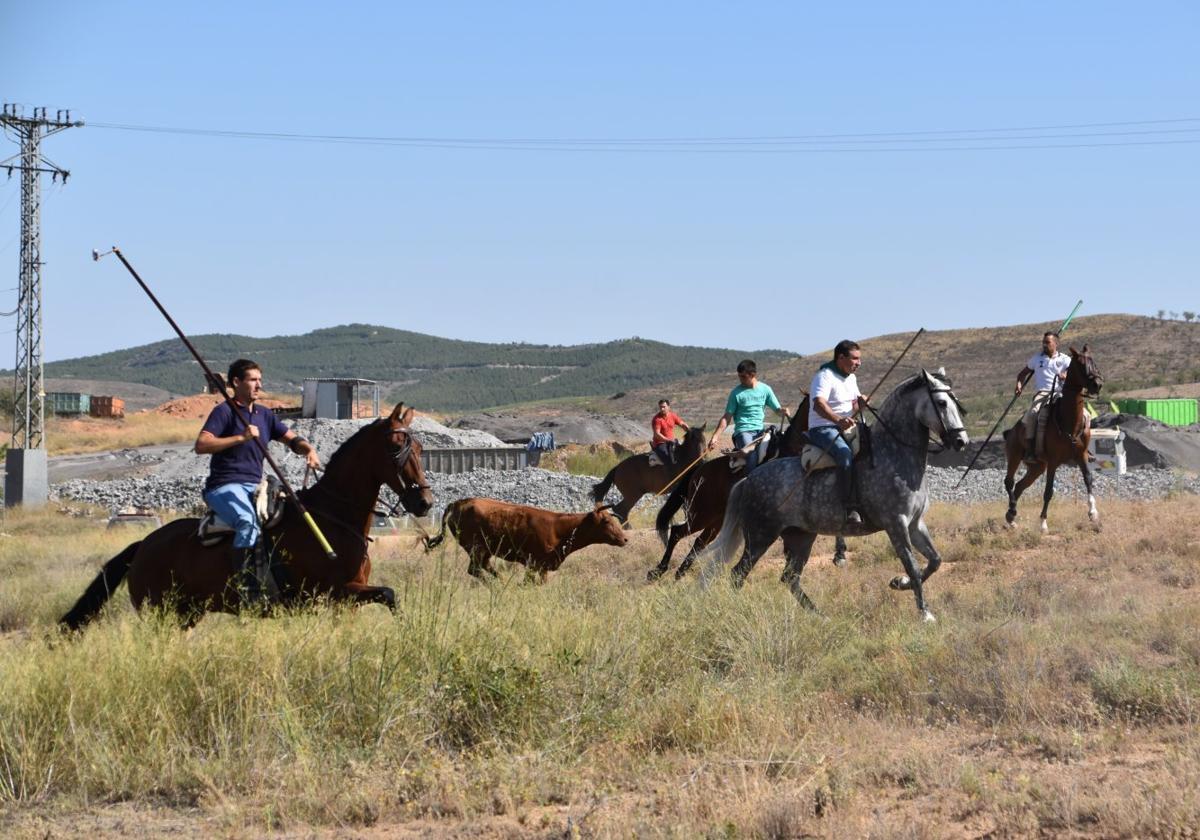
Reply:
x=1188 y=316
x=1161 y=314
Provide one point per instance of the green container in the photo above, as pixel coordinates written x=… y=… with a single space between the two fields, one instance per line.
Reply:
x=62 y=402
x=1181 y=412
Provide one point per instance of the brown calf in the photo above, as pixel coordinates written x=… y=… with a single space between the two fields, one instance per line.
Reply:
x=540 y=539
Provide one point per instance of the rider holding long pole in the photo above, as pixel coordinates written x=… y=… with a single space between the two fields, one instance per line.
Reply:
x=1047 y=369
x=237 y=467
x=835 y=400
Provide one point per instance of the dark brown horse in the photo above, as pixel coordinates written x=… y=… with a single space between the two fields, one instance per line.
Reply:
x=1066 y=439
x=704 y=491
x=170 y=568
x=634 y=477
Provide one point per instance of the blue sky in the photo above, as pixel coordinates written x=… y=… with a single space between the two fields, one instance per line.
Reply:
x=744 y=245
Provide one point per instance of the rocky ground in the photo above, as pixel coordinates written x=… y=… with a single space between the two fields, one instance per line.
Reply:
x=172 y=477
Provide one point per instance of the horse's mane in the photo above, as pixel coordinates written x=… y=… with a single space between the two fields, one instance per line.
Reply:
x=913 y=383
x=350 y=444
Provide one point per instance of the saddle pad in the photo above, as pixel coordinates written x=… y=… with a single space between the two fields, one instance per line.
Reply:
x=213 y=529
x=655 y=461
x=815 y=458
x=737 y=457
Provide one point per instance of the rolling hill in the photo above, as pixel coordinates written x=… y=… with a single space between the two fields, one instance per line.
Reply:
x=435 y=373
x=1132 y=352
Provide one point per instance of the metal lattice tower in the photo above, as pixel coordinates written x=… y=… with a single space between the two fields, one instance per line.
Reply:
x=28 y=390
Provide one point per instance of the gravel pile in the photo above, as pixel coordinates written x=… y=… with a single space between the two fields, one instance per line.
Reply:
x=176 y=476
x=539 y=488
x=988 y=485
x=564 y=492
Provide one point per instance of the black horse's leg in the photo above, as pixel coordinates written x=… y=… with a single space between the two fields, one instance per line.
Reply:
x=622 y=508
x=897 y=532
x=678 y=532
x=701 y=543
x=797 y=548
x=361 y=594
x=1085 y=468
x=839 y=551
x=1047 y=495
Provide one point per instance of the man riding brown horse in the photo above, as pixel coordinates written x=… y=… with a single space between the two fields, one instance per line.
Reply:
x=1048 y=370
x=237 y=467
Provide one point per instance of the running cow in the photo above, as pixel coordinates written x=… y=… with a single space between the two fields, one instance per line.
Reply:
x=539 y=539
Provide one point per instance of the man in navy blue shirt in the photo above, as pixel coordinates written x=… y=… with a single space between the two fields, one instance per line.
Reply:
x=237 y=462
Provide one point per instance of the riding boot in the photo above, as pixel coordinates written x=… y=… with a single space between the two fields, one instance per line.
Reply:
x=245 y=575
x=845 y=480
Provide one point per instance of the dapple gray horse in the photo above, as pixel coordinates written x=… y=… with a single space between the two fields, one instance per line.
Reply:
x=778 y=499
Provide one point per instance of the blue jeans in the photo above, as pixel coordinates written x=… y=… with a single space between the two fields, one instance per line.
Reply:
x=755 y=455
x=234 y=503
x=828 y=439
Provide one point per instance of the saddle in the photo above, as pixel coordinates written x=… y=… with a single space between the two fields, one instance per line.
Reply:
x=813 y=458
x=268 y=500
x=737 y=457
x=655 y=461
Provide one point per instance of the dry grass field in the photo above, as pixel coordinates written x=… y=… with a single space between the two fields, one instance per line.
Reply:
x=1057 y=696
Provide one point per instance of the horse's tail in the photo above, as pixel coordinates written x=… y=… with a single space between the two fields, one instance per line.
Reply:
x=433 y=542
x=100 y=590
x=600 y=489
x=730 y=539
x=673 y=503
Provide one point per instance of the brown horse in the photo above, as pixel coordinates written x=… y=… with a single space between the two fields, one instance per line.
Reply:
x=170 y=568
x=704 y=491
x=1066 y=439
x=634 y=477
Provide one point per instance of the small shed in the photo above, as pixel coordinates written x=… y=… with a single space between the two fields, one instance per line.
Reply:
x=340 y=398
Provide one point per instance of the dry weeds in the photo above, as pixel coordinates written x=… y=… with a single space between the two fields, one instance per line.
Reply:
x=1057 y=696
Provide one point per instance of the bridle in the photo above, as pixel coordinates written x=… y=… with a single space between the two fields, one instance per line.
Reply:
x=400 y=450
x=947 y=430
x=401 y=453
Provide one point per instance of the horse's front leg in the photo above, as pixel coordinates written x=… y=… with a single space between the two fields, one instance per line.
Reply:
x=361 y=593
x=1093 y=513
x=897 y=532
x=701 y=543
x=1047 y=495
x=918 y=532
x=677 y=533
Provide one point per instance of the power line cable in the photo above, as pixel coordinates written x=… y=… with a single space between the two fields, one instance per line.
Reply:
x=742 y=145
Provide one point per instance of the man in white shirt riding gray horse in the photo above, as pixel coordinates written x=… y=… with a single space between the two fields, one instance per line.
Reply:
x=1048 y=369
x=834 y=399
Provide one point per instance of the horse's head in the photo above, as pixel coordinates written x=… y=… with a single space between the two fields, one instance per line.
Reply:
x=694 y=443
x=403 y=471
x=942 y=413
x=1083 y=375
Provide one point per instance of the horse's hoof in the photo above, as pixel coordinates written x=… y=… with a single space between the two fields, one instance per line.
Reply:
x=1045 y=529
x=928 y=617
x=1010 y=525
x=839 y=560
x=901 y=582
x=654 y=574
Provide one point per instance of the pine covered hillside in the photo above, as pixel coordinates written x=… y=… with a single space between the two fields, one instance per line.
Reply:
x=434 y=373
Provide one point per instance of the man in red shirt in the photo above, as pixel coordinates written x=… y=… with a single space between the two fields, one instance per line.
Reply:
x=663 y=425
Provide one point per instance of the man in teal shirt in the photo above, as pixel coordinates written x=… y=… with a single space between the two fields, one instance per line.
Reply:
x=745 y=408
